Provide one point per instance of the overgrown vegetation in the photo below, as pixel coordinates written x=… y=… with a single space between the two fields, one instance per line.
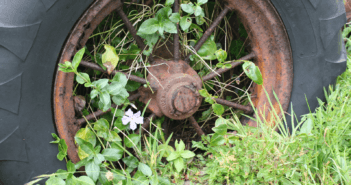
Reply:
x=113 y=149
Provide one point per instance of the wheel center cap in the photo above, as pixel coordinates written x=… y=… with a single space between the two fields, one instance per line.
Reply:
x=185 y=99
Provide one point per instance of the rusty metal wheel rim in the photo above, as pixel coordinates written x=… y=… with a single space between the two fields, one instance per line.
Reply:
x=271 y=52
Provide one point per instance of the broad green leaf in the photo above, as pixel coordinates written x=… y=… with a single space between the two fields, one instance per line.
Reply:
x=220 y=129
x=70 y=167
x=81 y=154
x=169 y=26
x=113 y=136
x=198 y=11
x=62 y=174
x=55 y=137
x=66 y=67
x=93 y=93
x=201 y=2
x=87 y=135
x=208 y=48
x=131 y=161
x=188 y=8
x=81 y=163
x=163 y=15
x=84 y=180
x=62 y=146
x=307 y=127
x=82 y=78
x=98 y=158
x=221 y=55
x=166 y=148
x=205 y=114
x=77 y=58
x=120 y=98
x=85 y=146
x=105 y=100
x=199 y=145
x=102 y=128
x=118 y=123
x=175 y=17
x=204 y=93
x=114 y=88
x=253 y=72
x=100 y=83
x=179 y=146
x=120 y=78
x=145 y=169
x=149 y=26
x=217 y=140
x=132 y=85
x=55 y=181
x=112 y=154
x=179 y=164
x=220 y=121
x=110 y=58
x=218 y=109
x=172 y=156
x=92 y=170
x=200 y=19
x=186 y=154
x=169 y=2
x=133 y=140
x=129 y=54
x=185 y=23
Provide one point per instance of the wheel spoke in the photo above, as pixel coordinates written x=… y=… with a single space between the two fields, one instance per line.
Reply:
x=196 y=126
x=98 y=68
x=98 y=113
x=209 y=31
x=234 y=64
x=246 y=109
x=146 y=123
x=176 y=35
x=132 y=30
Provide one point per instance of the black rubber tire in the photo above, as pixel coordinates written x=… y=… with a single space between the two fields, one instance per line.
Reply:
x=32 y=34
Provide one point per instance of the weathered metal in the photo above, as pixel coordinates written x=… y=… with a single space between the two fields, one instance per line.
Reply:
x=174 y=84
x=208 y=32
x=175 y=89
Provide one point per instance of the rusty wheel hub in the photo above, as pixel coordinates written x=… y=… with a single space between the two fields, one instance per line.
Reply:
x=174 y=91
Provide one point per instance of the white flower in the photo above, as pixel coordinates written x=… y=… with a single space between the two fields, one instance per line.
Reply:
x=132 y=118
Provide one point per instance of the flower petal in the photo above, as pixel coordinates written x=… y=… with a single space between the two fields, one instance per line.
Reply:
x=139 y=120
x=136 y=115
x=126 y=120
x=129 y=113
x=133 y=126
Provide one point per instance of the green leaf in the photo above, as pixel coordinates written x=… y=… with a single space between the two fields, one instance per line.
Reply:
x=105 y=100
x=87 y=135
x=198 y=11
x=172 y=156
x=55 y=137
x=130 y=54
x=120 y=98
x=114 y=88
x=179 y=164
x=98 y=158
x=200 y=20
x=188 y=8
x=253 y=72
x=221 y=129
x=62 y=174
x=217 y=140
x=92 y=170
x=84 y=180
x=185 y=23
x=120 y=78
x=175 y=17
x=113 y=136
x=169 y=26
x=85 y=146
x=218 y=109
x=70 y=167
x=169 y=2
x=186 y=154
x=149 y=26
x=208 y=48
x=221 y=55
x=145 y=169
x=77 y=58
x=205 y=114
x=179 y=146
x=132 y=85
x=220 y=121
x=102 y=128
x=133 y=140
x=131 y=161
x=93 y=93
x=307 y=127
x=201 y=2
x=165 y=149
x=101 y=83
x=55 y=181
x=62 y=146
x=112 y=154
x=199 y=145
x=110 y=58
x=204 y=93
x=66 y=67
x=118 y=123
x=83 y=78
